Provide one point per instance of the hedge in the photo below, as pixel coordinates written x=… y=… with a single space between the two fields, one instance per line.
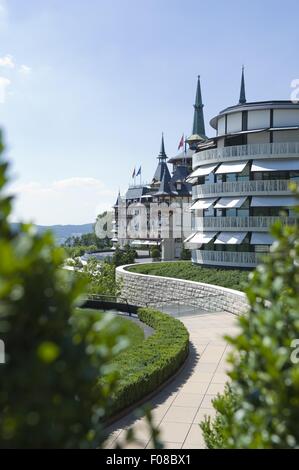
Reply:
x=231 y=278
x=145 y=366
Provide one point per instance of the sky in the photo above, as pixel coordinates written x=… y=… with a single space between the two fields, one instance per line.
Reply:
x=87 y=87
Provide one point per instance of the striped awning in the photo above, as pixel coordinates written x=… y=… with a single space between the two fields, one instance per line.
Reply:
x=232 y=167
x=202 y=204
x=275 y=165
x=202 y=171
x=230 y=238
x=230 y=202
x=202 y=237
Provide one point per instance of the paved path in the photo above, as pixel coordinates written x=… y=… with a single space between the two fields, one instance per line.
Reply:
x=179 y=408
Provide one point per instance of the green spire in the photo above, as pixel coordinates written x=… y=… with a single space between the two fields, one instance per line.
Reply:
x=242 y=99
x=162 y=154
x=198 y=123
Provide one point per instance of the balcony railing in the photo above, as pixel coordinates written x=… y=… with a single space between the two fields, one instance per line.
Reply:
x=242 y=152
x=258 y=224
x=248 y=188
x=226 y=258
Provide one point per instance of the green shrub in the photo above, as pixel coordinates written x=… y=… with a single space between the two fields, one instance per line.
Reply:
x=100 y=278
x=49 y=394
x=146 y=366
x=261 y=408
x=185 y=254
x=231 y=278
x=124 y=256
x=155 y=253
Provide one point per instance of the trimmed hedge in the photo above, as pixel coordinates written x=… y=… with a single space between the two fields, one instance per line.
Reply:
x=145 y=366
x=231 y=278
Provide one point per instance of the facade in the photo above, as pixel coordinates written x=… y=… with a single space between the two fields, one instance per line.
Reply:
x=157 y=213
x=240 y=181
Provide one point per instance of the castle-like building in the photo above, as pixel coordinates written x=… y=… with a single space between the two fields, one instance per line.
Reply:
x=157 y=213
x=240 y=181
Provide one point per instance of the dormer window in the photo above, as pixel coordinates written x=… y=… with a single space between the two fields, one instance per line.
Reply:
x=179 y=186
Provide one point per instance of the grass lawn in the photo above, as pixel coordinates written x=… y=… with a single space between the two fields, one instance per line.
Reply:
x=133 y=332
x=231 y=278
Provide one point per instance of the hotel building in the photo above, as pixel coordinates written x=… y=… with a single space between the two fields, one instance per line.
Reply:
x=240 y=181
x=157 y=213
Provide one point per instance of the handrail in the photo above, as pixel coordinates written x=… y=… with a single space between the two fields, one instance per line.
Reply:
x=242 y=187
x=237 y=152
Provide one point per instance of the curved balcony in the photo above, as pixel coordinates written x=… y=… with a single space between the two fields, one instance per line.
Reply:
x=258 y=224
x=242 y=152
x=226 y=258
x=242 y=188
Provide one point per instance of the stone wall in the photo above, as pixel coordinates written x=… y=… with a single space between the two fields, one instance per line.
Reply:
x=143 y=290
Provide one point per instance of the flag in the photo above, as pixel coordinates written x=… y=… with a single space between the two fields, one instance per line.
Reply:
x=134 y=173
x=181 y=144
x=138 y=172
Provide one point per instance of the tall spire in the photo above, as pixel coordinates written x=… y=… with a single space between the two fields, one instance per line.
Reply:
x=242 y=99
x=162 y=154
x=198 y=122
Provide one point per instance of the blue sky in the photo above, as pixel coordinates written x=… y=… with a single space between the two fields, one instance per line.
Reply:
x=93 y=83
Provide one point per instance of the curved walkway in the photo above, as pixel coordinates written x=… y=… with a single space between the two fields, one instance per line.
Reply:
x=180 y=407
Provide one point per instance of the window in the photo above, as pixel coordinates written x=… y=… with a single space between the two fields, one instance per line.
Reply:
x=209 y=212
x=294 y=176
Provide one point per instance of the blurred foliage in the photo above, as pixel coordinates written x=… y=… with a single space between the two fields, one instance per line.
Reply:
x=100 y=278
x=185 y=254
x=232 y=278
x=124 y=255
x=88 y=242
x=260 y=409
x=155 y=253
x=50 y=395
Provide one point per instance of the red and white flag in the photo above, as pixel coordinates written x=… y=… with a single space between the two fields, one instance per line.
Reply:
x=181 y=144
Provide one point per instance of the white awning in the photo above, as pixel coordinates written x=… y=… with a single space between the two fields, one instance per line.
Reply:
x=189 y=238
x=275 y=165
x=273 y=201
x=145 y=242
x=261 y=238
x=203 y=204
x=202 y=237
x=230 y=202
x=230 y=238
x=202 y=171
x=232 y=167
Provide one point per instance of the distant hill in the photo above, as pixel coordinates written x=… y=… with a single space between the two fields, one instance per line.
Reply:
x=62 y=232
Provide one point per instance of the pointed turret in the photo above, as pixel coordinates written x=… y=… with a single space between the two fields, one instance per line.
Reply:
x=162 y=166
x=198 y=132
x=164 y=189
x=198 y=121
x=242 y=99
x=162 y=155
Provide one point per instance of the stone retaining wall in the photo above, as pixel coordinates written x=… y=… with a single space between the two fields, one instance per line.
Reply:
x=144 y=289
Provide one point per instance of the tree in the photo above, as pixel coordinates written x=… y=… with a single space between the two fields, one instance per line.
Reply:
x=185 y=254
x=50 y=394
x=260 y=408
x=124 y=256
x=155 y=253
x=101 y=278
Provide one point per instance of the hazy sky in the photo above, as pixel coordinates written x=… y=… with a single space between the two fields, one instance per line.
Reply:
x=87 y=86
